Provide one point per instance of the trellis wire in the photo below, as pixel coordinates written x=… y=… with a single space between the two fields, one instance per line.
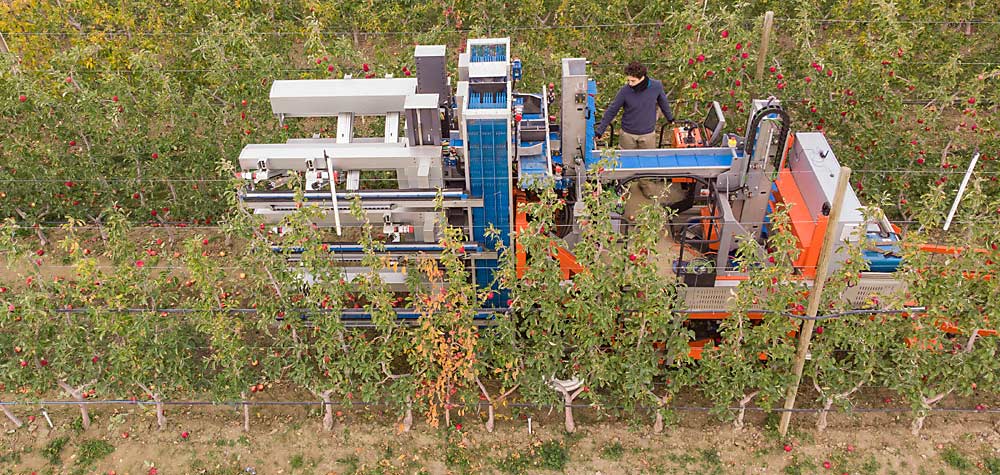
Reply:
x=417 y=256
x=297 y=312
x=492 y=29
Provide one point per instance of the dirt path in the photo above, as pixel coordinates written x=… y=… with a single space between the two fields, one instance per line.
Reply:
x=288 y=440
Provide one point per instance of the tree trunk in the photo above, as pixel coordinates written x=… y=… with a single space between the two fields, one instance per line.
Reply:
x=77 y=394
x=821 y=419
x=10 y=415
x=738 y=423
x=161 y=418
x=968 y=24
x=568 y=409
x=84 y=412
x=41 y=236
x=407 y=420
x=661 y=402
x=246 y=413
x=570 y=389
x=658 y=423
x=828 y=403
x=918 y=422
x=489 y=405
x=917 y=425
x=447 y=412
x=327 y=410
x=489 y=418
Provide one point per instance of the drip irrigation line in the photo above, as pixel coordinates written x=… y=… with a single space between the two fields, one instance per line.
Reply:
x=848 y=313
x=238 y=403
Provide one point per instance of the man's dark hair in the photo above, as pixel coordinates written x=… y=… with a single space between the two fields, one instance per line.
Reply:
x=635 y=69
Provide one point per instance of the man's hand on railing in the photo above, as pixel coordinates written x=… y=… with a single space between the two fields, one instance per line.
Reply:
x=600 y=138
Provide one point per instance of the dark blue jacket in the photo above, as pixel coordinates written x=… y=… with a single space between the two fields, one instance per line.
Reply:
x=640 y=108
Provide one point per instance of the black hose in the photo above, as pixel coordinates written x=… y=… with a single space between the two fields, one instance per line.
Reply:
x=663 y=128
x=755 y=122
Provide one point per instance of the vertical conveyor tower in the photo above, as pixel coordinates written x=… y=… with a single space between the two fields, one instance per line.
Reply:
x=484 y=102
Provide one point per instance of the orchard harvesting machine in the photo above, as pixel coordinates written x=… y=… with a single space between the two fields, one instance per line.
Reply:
x=485 y=146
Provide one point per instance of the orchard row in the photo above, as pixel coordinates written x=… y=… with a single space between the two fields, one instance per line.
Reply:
x=615 y=335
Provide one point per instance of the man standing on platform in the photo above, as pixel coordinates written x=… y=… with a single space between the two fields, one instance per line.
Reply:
x=640 y=98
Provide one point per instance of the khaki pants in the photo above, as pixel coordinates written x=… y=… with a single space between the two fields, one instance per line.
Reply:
x=629 y=141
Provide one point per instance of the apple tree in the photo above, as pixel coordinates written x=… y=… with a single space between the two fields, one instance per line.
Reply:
x=442 y=354
x=754 y=359
x=538 y=303
x=154 y=349
x=848 y=349
x=229 y=332
x=313 y=348
x=649 y=348
x=950 y=348
x=389 y=340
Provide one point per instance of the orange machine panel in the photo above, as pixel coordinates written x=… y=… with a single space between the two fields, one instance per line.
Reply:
x=682 y=138
x=809 y=231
